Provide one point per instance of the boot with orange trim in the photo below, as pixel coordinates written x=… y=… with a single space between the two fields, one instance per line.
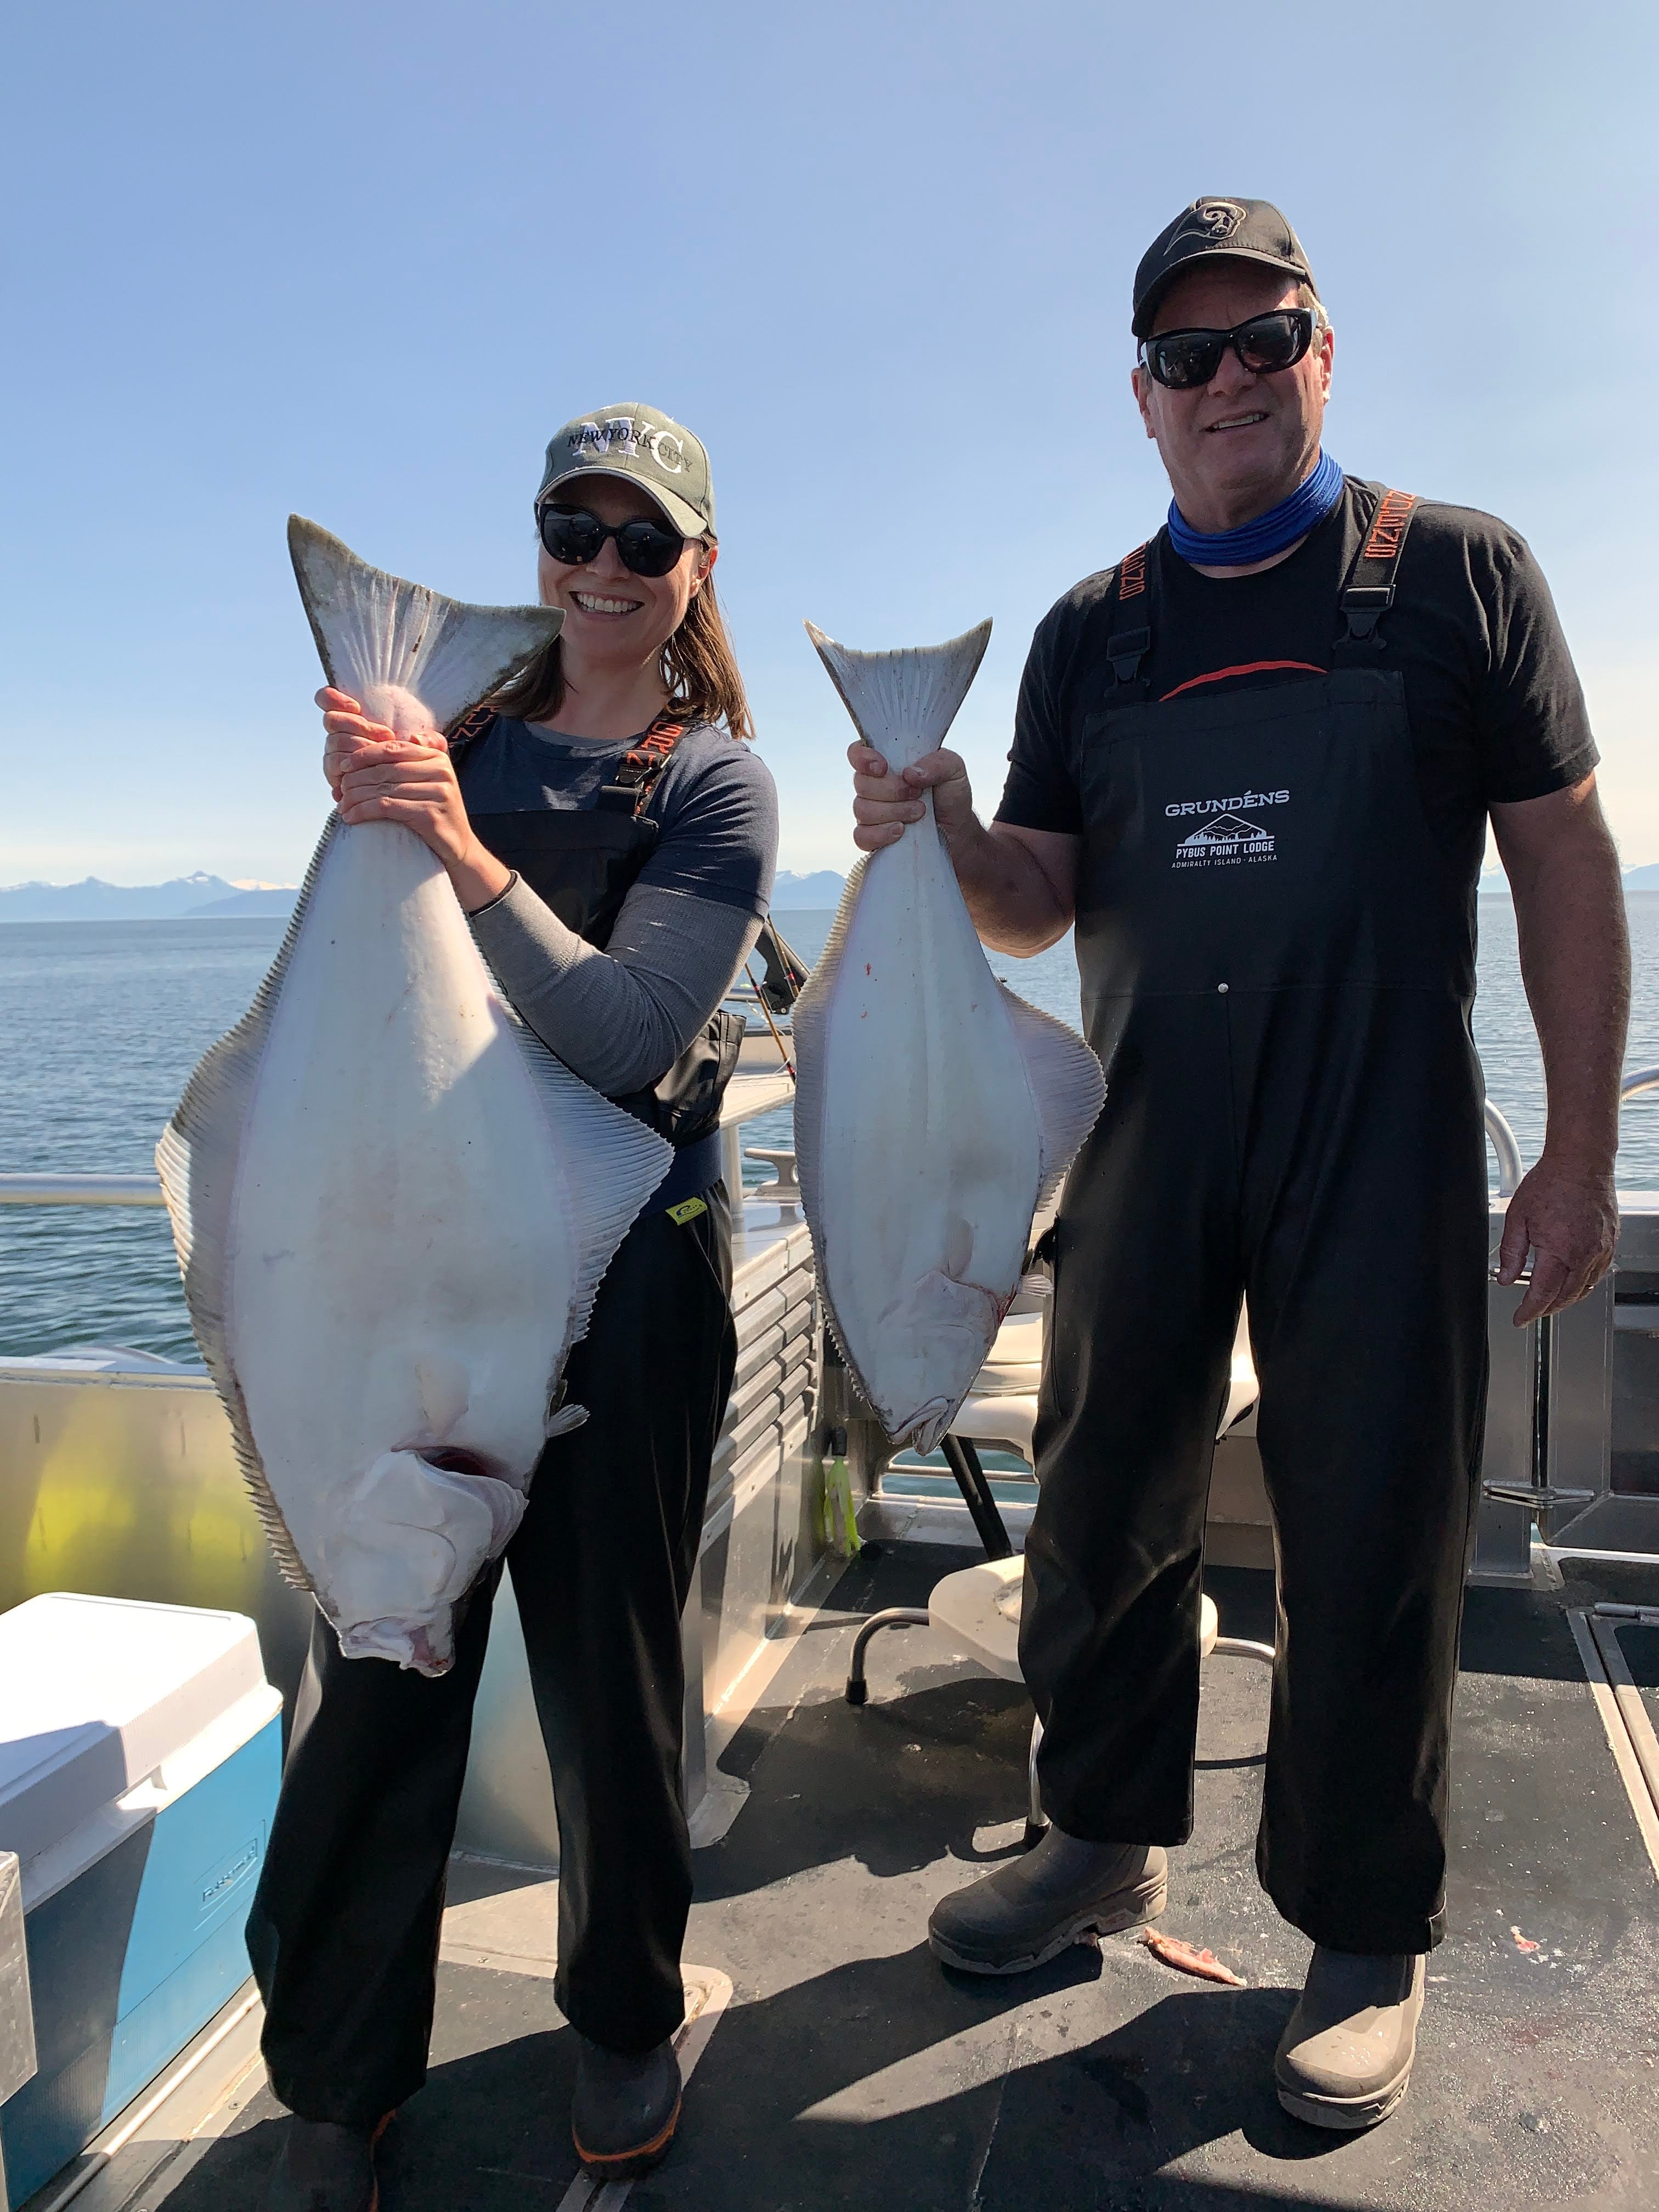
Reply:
x=324 y=2168
x=626 y=2108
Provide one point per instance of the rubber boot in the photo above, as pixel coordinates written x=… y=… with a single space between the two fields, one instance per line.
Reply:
x=1059 y=1892
x=626 y=2109
x=324 y=2167
x=1345 y=2059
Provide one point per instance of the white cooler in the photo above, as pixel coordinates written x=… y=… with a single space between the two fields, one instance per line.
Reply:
x=140 y=1754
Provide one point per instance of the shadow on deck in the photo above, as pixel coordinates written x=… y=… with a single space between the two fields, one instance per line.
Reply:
x=850 y=2070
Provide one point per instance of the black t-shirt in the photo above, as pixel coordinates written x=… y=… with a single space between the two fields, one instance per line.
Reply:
x=1491 y=695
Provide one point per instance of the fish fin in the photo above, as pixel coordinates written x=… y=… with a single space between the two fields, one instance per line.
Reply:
x=622 y=1163
x=568 y=1417
x=372 y=629
x=809 y=1021
x=1068 y=1089
x=197 y=1159
x=903 y=703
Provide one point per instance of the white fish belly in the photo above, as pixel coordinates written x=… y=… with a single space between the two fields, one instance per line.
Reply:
x=930 y=1142
x=401 y=1253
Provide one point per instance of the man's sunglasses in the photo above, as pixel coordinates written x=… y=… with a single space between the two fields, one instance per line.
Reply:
x=574 y=535
x=1267 y=344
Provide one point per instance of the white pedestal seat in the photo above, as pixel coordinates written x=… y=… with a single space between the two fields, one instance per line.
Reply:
x=978 y=1608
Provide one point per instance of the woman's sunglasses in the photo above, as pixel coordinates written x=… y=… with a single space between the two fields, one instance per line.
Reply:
x=574 y=535
x=1267 y=344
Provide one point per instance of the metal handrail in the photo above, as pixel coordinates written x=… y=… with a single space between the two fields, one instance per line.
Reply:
x=1501 y=1137
x=736 y=1109
x=1643 y=1078
x=146 y=1190
x=80 y=1190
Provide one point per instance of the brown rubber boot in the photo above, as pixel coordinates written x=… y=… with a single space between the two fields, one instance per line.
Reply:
x=1345 y=2059
x=1061 y=1892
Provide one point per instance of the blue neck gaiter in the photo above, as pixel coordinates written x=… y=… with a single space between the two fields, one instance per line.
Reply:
x=1269 y=533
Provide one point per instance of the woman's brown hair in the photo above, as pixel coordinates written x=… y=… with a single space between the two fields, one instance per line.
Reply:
x=698 y=666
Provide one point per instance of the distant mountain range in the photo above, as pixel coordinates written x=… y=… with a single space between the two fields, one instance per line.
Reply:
x=184 y=896
x=790 y=893
x=205 y=898
x=198 y=896
x=202 y=897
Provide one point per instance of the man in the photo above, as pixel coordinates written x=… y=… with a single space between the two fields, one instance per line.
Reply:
x=1253 y=765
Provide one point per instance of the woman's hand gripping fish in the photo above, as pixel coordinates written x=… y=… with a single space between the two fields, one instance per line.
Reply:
x=935 y=1112
x=392 y=1205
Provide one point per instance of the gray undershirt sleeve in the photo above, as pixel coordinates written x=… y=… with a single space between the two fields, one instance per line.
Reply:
x=620 y=1018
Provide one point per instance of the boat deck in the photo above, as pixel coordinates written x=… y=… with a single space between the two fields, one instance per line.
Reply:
x=847 y=2069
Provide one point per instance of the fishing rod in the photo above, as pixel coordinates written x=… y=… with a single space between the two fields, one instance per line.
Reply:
x=777 y=1038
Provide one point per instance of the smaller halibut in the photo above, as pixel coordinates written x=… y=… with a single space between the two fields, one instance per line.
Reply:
x=392 y=1205
x=935 y=1112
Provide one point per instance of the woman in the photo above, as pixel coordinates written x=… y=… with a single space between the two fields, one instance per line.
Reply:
x=612 y=839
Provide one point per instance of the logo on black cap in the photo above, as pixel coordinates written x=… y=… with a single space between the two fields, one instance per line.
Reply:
x=1216 y=220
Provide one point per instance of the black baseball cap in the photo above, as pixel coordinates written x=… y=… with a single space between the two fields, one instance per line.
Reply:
x=1215 y=229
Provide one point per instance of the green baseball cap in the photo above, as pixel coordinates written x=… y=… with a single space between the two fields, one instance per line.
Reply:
x=636 y=442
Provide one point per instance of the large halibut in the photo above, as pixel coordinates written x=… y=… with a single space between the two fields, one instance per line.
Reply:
x=392 y=1204
x=935 y=1112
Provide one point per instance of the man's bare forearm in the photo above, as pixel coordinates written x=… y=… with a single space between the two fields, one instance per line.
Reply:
x=1020 y=884
x=1013 y=901
x=1575 y=963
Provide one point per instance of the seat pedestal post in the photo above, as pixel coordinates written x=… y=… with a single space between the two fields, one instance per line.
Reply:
x=896 y=1616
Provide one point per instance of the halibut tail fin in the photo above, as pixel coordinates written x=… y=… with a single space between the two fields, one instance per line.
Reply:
x=376 y=633
x=903 y=703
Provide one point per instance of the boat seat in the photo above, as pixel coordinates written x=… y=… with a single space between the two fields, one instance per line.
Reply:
x=1001 y=1408
x=1015 y=1365
x=1000 y=1417
x=1015 y=1369
x=977 y=1608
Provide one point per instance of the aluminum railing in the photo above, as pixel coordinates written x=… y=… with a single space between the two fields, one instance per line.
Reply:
x=80 y=1190
x=146 y=1190
x=1501 y=1137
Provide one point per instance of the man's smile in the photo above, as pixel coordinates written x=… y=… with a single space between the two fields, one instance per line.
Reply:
x=1238 y=422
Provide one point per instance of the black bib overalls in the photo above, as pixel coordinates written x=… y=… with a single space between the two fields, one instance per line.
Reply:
x=1278 y=970
x=344 y=1933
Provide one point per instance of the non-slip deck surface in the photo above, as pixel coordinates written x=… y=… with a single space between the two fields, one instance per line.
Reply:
x=850 y=2071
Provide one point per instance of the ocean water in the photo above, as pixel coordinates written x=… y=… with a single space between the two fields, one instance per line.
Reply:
x=101 y=1023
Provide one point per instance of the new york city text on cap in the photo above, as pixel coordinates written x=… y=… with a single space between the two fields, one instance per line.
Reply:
x=644 y=447
x=1214 y=228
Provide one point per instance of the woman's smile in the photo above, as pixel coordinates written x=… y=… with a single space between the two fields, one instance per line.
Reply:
x=591 y=603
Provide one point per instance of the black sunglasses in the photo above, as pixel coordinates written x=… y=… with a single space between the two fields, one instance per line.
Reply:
x=574 y=535
x=1267 y=344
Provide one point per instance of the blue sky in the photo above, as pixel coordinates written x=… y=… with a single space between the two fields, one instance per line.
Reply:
x=359 y=259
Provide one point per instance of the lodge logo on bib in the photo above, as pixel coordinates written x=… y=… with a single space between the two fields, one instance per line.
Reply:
x=1225 y=837
x=1228 y=840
